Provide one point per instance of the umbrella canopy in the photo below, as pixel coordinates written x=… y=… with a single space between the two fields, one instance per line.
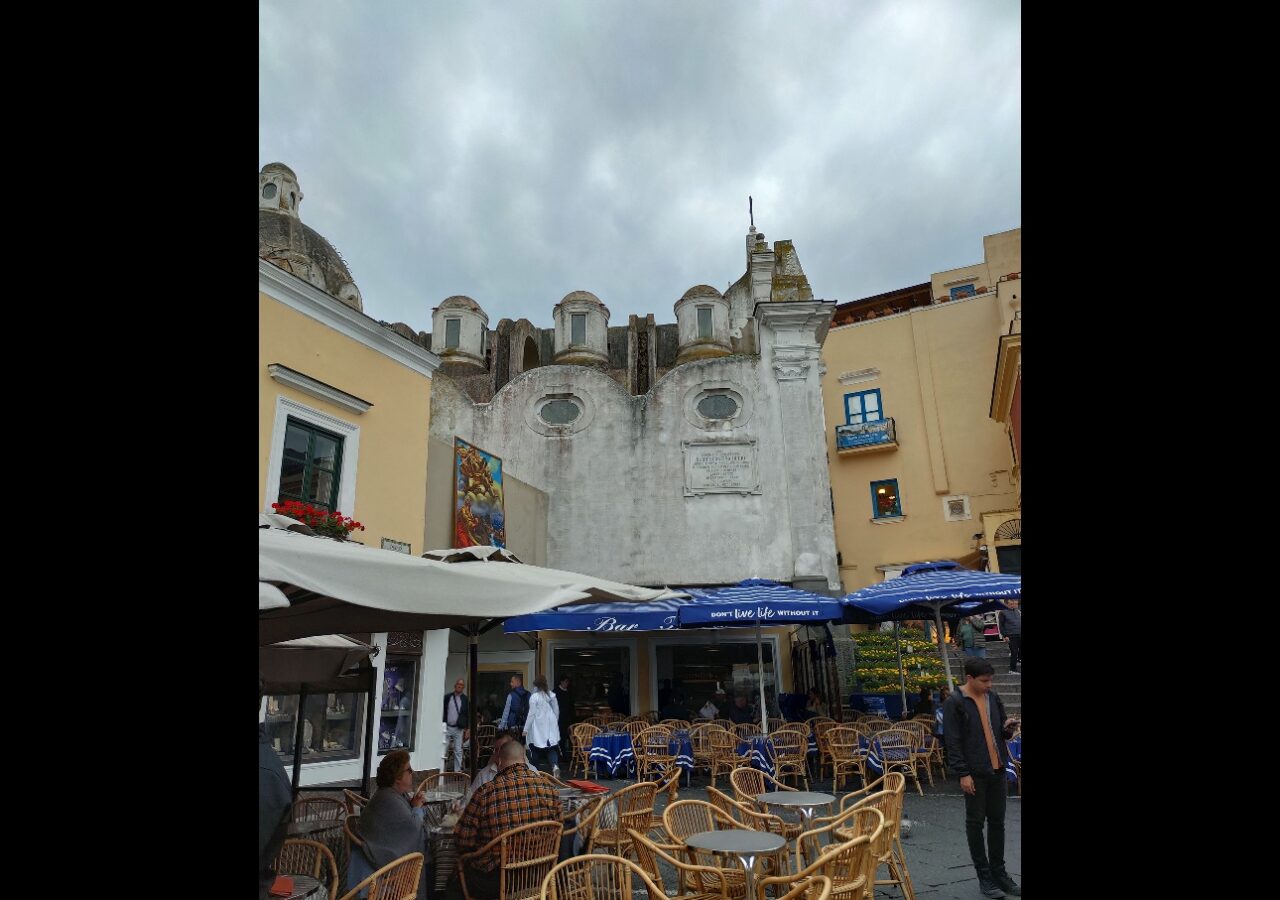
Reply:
x=923 y=590
x=314 y=661
x=656 y=615
x=338 y=587
x=758 y=601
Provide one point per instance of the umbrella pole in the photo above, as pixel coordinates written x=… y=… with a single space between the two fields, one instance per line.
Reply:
x=942 y=647
x=902 y=679
x=764 y=712
x=473 y=666
x=369 y=730
x=297 y=739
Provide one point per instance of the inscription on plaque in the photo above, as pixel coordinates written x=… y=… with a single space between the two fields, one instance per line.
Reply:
x=720 y=468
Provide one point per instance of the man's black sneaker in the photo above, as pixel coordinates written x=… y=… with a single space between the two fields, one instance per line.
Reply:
x=1006 y=884
x=989 y=888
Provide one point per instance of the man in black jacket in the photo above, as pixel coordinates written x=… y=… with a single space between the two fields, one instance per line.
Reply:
x=1011 y=628
x=975 y=729
x=564 y=701
x=455 y=717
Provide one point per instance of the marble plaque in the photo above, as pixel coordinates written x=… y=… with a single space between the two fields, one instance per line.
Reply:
x=720 y=467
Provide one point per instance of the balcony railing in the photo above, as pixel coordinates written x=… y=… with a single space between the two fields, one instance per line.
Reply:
x=866 y=437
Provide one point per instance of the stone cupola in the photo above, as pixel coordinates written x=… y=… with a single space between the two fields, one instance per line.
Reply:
x=582 y=330
x=702 y=317
x=460 y=334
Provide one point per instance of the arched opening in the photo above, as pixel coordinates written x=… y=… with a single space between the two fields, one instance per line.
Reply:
x=529 y=359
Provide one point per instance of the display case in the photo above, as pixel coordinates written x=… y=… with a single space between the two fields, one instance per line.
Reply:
x=330 y=730
x=399 y=704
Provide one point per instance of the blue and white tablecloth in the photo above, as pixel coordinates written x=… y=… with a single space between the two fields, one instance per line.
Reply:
x=760 y=748
x=616 y=752
x=1015 y=750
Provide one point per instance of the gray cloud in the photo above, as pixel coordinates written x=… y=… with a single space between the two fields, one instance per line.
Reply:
x=516 y=152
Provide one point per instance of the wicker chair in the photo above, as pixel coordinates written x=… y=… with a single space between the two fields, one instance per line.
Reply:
x=751 y=817
x=696 y=882
x=319 y=809
x=397 y=880
x=527 y=854
x=354 y=801
x=889 y=853
x=790 y=750
x=484 y=737
x=726 y=724
x=815 y=887
x=747 y=783
x=686 y=817
x=303 y=857
x=581 y=819
x=923 y=752
x=900 y=751
x=633 y=807
x=846 y=754
x=596 y=877
x=597 y=721
x=452 y=782
x=634 y=727
x=724 y=753
x=845 y=864
x=700 y=738
x=676 y=724
x=747 y=730
x=775 y=723
x=652 y=748
x=582 y=735
x=821 y=730
x=860 y=819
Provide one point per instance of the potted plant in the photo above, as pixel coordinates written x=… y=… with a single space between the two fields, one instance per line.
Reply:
x=321 y=521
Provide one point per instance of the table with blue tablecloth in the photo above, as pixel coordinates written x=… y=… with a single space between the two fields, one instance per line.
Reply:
x=760 y=749
x=616 y=751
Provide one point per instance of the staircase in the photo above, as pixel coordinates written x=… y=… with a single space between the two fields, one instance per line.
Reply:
x=1008 y=686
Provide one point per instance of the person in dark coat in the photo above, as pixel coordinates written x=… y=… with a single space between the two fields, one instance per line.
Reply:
x=275 y=800
x=740 y=713
x=975 y=729
x=1011 y=628
x=391 y=824
x=564 y=699
x=455 y=716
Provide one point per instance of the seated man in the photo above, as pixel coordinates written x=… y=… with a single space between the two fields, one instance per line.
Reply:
x=740 y=713
x=485 y=775
x=514 y=797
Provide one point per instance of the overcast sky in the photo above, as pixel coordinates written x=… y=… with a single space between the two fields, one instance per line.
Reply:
x=515 y=152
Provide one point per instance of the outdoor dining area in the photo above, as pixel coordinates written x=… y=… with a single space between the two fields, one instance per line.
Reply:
x=628 y=816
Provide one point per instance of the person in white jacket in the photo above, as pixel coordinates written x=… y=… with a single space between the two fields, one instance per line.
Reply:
x=542 y=727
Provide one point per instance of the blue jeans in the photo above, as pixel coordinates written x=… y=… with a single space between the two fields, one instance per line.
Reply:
x=545 y=758
x=978 y=651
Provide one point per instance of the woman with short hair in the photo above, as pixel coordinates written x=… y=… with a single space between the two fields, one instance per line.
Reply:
x=542 y=727
x=391 y=823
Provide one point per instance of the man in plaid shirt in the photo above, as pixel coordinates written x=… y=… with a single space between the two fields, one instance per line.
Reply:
x=515 y=797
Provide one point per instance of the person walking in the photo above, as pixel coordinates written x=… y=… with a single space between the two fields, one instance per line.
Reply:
x=455 y=718
x=967 y=638
x=970 y=719
x=564 y=699
x=1011 y=628
x=542 y=727
x=517 y=706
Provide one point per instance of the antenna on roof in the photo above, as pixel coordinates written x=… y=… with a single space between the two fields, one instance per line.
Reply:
x=750 y=211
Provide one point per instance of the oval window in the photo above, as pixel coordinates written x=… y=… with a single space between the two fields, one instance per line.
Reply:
x=718 y=406
x=559 y=412
x=268 y=191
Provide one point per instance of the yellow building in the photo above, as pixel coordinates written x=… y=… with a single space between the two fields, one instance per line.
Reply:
x=918 y=465
x=344 y=407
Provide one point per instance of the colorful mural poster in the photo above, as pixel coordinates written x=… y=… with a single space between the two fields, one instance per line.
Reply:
x=478 y=517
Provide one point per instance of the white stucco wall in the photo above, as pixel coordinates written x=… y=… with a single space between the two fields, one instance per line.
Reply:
x=617 y=505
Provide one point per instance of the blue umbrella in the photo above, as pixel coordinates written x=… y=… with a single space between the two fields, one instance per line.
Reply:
x=924 y=590
x=751 y=603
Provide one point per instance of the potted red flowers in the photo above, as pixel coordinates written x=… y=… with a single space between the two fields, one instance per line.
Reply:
x=321 y=521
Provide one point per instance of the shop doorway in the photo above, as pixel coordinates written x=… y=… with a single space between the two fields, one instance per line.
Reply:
x=697 y=671
x=600 y=678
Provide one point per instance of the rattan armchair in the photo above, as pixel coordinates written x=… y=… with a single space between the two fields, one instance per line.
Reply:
x=451 y=782
x=815 y=887
x=923 y=750
x=846 y=754
x=751 y=817
x=633 y=808
x=886 y=794
x=747 y=783
x=596 y=877
x=397 y=880
x=724 y=752
x=319 y=809
x=900 y=751
x=861 y=819
x=633 y=727
x=790 y=749
x=303 y=857
x=676 y=724
x=696 y=882
x=747 y=730
x=652 y=747
x=354 y=800
x=846 y=864
x=581 y=737
x=527 y=854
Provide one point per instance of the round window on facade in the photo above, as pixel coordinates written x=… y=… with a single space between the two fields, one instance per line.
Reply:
x=269 y=192
x=559 y=412
x=717 y=406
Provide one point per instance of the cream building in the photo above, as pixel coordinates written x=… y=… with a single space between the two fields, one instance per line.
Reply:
x=919 y=467
x=344 y=408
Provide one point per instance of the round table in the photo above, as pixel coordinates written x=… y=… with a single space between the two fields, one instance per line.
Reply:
x=802 y=801
x=742 y=843
x=303 y=886
x=314 y=826
x=440 y=796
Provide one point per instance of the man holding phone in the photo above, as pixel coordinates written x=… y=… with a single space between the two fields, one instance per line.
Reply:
x=970 y=719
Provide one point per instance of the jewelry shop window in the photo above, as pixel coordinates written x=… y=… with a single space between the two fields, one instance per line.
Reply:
x=330 y=730
x=398 y=717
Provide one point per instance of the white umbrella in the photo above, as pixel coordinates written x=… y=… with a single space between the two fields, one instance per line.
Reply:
x=310 y=660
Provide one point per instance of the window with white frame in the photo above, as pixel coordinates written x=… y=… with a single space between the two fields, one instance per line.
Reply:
x=862 y=406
